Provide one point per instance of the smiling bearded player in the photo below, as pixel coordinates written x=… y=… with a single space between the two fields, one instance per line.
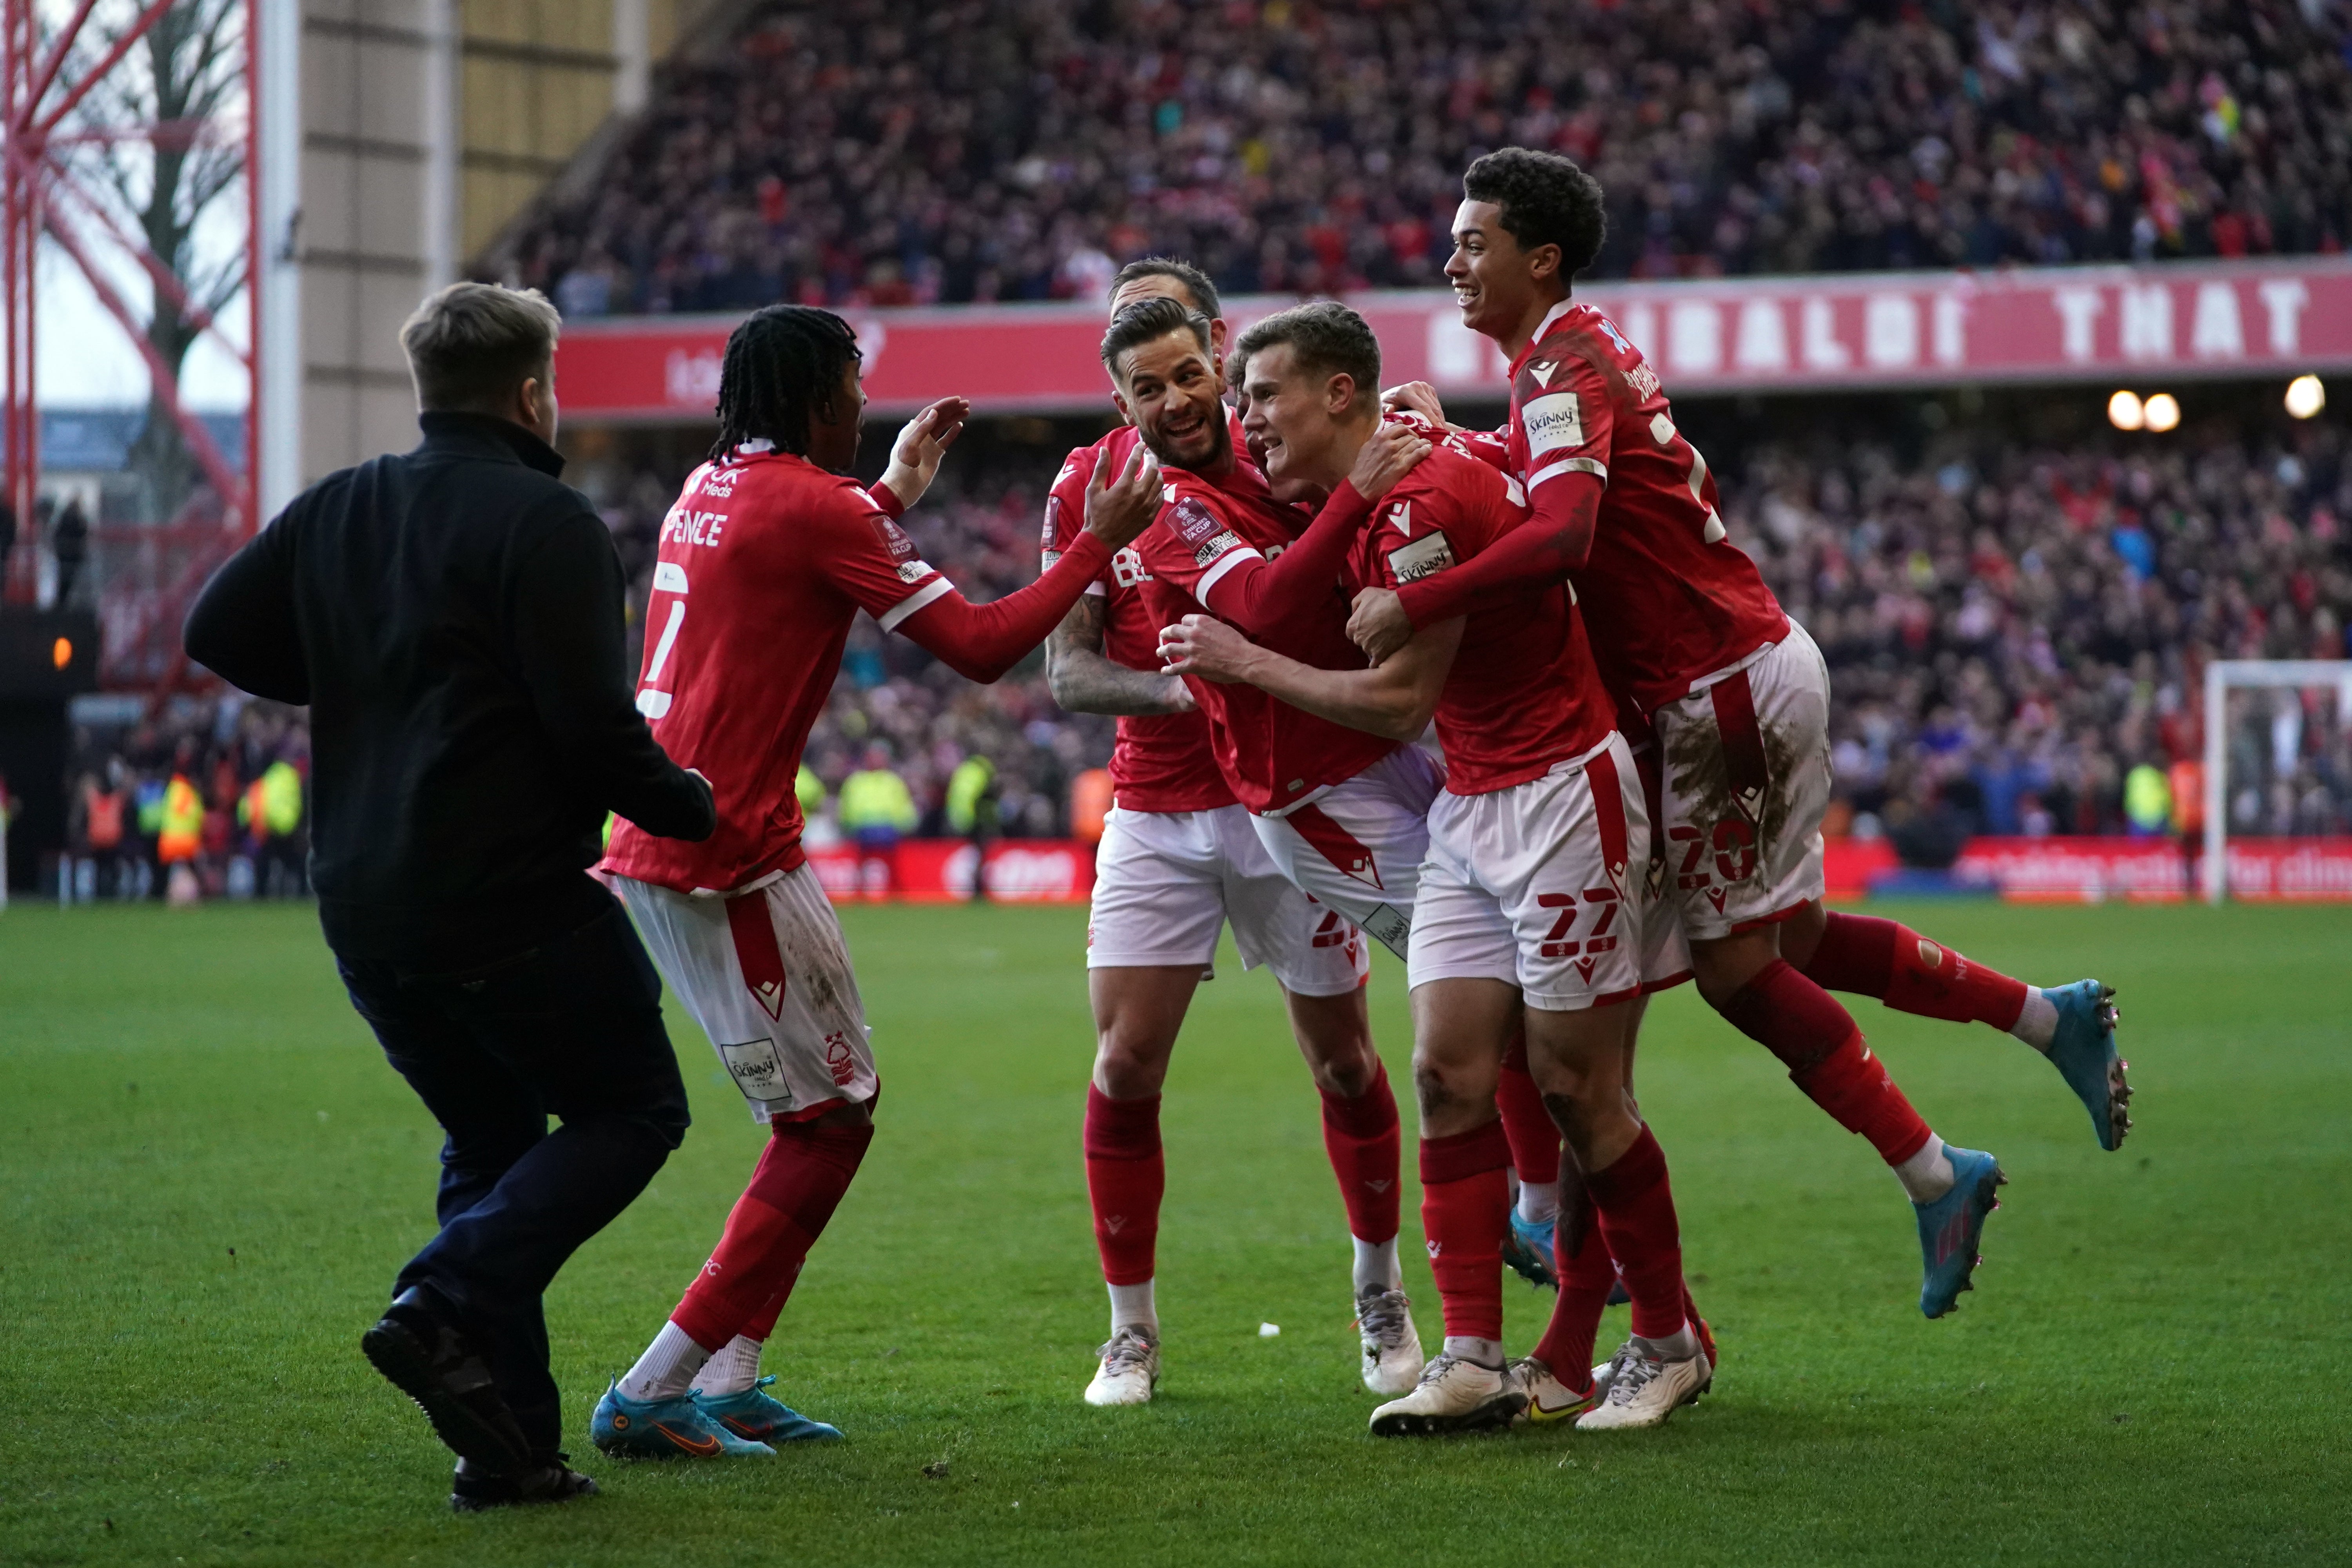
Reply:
x=1178 y=861
x=1529 y=911
x=1686 y=631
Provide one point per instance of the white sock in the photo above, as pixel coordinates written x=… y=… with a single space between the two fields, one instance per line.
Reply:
x=1538 y=1202
x=734 y=1368
x=1680 y=1345
x=1488 y=1354
x=2037 y=1026
x=1133 y=1306
x=1376 y=1265
x=1926 y=1175
x=666 y=1369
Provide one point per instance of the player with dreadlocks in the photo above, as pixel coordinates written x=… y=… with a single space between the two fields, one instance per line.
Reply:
x=766 y=558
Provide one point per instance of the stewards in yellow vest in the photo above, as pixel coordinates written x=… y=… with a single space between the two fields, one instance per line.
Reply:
x=184 y=822
x=876 y=810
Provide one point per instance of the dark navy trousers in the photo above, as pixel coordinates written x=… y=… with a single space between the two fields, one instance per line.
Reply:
x=570 y=1028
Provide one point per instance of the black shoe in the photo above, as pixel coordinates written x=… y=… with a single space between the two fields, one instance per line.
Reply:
x=429 y=1360
x=548 y=1479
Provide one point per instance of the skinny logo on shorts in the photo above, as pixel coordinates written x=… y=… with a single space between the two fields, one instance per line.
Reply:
x=757 y=1071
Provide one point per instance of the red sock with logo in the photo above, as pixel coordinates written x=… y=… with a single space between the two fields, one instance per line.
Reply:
x=1535 y=1138
x=792 y=1193
x=1636 y=1205
x=1365 y=1142
x=1888 y=959
x=1585 y=1278
x=1466 y=1206
x=1126 y=1175
x=1802 y=1025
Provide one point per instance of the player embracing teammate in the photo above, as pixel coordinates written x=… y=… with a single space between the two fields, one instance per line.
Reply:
x=1528 y=911
x=1180 y=857
x=1688 y=634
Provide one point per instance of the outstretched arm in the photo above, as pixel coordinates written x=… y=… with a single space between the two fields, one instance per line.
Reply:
x=1555 y=540
x=1084 y=679
x=1395 y=698
x=981 y=642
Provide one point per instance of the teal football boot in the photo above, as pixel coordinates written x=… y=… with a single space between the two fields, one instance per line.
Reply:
x=758 y=1417
x=2084 y=1052
x=664 y=1429
x=1528 y=1249
x=1951 y=1226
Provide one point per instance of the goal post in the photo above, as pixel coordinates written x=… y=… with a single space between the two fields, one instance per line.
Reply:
x=2222 y=676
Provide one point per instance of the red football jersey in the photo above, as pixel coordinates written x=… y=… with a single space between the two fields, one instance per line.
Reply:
x=1668 y=599
x=1274 y=755
x=1523 y=695
x=1161 y=762
x=763 y=562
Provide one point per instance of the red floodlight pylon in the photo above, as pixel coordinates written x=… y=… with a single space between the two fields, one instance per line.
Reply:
x=41 y=83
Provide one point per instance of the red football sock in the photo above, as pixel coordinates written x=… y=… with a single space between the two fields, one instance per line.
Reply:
x=1888 y=959
x=800 y=1179
x=1636 y=1205
x=1535 y=1139
x=1363 y=1139
x=1465 y=1207
x=1585 y=1278
x=1126 y=1175
x=1802 y=1025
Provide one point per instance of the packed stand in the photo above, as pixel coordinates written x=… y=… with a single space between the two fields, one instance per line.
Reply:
x=203 y=800
x=2016 y=637
x=847 y=154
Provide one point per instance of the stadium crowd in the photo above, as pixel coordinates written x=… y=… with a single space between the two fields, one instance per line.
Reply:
x=844 y=154
x=202 y=799
x=2012 y=630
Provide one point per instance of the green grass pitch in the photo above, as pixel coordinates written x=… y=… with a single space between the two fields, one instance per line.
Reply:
x=210 y=1177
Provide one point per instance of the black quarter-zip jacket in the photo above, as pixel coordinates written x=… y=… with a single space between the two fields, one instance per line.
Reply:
x=453 y=618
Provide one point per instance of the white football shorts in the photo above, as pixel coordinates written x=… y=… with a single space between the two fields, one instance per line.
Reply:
x=1666 y=952
x=1165 y=881
x=1357 y=845
x=768 y=978
x=1541 y=885
x=1746 y=766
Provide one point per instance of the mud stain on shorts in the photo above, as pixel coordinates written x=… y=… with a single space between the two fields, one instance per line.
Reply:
x=1701 y=775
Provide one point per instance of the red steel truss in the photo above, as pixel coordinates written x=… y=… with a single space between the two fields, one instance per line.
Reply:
x=44 y=78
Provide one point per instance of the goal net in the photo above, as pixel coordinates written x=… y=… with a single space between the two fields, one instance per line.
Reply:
x=2278 y=766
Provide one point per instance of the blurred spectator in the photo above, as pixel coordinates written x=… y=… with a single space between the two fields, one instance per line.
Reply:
x=859 y=153
x=876 y=811
x=70 y=542
x=971 y=809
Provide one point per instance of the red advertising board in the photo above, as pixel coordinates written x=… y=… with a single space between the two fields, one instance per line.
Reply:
x=2134 y=326
x=939 y=870
x=2096 y=870
x=2071 y=870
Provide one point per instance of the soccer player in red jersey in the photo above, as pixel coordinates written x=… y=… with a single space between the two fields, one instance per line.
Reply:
x=1177 y=860
x=1686 y=629
x=764 y=560
x=1528 y=908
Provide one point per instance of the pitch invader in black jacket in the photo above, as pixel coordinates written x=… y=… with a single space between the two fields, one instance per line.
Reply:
x=453 y=617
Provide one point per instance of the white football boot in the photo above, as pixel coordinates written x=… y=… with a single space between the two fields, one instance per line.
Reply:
x=1130 y=1369
x=1549 y=1399
x=1392 y=1358
x=1454 y=1396
x=1644 y=1391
